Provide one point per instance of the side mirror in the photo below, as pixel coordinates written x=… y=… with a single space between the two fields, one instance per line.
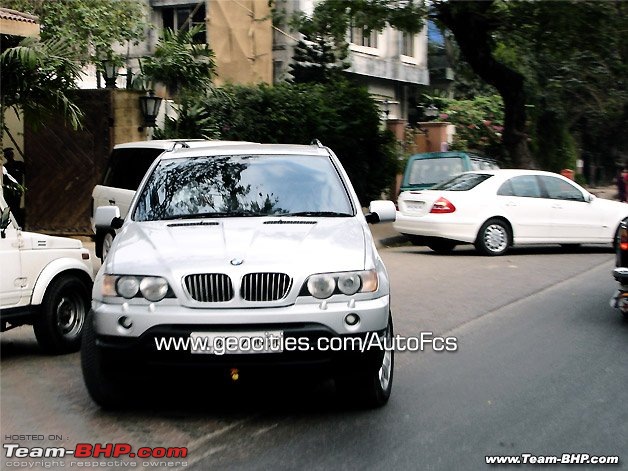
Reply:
x=5 y=220
x=108 y=217
x=381 y=211
x=590 y=198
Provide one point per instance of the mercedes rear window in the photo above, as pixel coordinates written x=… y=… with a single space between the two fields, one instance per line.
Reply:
x=463 y=182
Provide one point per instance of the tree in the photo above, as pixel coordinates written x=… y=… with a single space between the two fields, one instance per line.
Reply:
x=479 y=123
x=36 y=77
x=315 y=61
x=473 y=25
x=92 y=27
x=563 y=62
x=299 y=113
x=332 y=19
x=180 y=63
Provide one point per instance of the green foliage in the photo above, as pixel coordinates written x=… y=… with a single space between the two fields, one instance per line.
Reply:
x=194 y=119
x=573 y=57
x=479 y=123
x=554 y=143
x=341 y=115
x=92 y=27
x=332 y=19
x=180 y=63
x=36 y=77
x=315 y=62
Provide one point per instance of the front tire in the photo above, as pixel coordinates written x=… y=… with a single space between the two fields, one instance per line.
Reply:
x=59 y=326
x=493 y=238
x=106 y=388
x=371 y=386
x=105 y=246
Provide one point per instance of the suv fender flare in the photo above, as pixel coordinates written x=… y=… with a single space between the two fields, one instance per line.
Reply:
x=53 y=269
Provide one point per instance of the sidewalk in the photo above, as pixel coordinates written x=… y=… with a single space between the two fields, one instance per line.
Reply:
x=606 y=192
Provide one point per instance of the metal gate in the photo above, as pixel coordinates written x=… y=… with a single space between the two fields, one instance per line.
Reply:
x=62 y=167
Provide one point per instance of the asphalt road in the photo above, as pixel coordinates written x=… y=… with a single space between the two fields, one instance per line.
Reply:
x=540 y=369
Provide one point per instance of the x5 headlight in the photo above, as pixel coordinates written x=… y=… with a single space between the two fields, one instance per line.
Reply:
x=152 y=288
x=324 y=285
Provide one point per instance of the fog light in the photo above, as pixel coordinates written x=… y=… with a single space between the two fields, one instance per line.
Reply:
x=352 y=319
x=125 y=322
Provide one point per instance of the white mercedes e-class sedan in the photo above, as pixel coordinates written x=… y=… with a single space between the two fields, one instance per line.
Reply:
x=496 y=209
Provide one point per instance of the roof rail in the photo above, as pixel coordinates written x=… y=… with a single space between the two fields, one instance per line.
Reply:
x=181 y=144
x=316 y=142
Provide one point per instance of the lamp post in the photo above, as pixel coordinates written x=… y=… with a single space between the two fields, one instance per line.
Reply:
x=110 y=73
x=149 y=105
x=386 y=105
x=430 y=112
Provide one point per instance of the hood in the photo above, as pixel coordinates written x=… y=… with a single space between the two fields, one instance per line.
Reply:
x=36 y=241
x=261 y=244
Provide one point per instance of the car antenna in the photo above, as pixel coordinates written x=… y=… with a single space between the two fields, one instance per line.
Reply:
x=316 y=142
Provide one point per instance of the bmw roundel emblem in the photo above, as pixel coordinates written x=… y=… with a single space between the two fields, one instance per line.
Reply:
x=236 y=261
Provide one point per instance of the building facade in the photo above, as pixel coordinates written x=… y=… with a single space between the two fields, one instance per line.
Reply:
x=390 y=63
x=254 y=45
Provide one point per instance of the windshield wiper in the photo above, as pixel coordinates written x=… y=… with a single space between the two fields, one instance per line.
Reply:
x=318 y=214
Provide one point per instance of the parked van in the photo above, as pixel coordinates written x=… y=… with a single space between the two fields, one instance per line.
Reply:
x=425 y=170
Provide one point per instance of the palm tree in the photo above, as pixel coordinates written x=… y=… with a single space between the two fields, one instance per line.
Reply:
x=36 y=78
x=180 y=63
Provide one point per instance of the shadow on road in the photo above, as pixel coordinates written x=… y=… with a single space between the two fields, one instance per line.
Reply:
x=515 y=251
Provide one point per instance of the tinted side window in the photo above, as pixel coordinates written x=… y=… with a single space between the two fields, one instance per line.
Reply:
x=127 y=167
x=525 y=186
x=561 y=190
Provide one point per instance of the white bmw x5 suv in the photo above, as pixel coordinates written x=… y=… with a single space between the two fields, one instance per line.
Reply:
x=237 y=258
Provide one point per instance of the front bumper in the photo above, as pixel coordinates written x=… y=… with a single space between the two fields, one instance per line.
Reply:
x=137 y=345
x=137 y=355
x=329 y=314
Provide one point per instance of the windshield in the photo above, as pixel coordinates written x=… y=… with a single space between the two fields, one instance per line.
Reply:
x=431 y=171
x=246 y=185
x=463 y=182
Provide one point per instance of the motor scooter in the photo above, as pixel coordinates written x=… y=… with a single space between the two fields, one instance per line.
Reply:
x=620 y=273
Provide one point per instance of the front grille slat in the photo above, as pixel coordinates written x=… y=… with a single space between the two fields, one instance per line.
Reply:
x=209 y=287
x=256 y=287
x=265 y=287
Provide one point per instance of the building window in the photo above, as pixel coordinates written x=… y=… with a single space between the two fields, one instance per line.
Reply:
x=363 y=37
x=407 y=44
x=186 y=17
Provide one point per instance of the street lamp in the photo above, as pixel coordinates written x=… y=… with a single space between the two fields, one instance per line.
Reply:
x=386 y=104
x=149 y=105
x=430 y=112
x=110 y=73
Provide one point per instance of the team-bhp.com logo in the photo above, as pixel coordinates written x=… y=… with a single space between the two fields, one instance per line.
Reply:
x=98 y=450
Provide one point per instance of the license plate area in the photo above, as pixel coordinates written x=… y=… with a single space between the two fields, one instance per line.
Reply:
x=415 y=206
x=236 y=343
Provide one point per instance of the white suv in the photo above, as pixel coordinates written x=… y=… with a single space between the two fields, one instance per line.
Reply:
x=126 y=167
x=262 y=246
x=46 y=281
